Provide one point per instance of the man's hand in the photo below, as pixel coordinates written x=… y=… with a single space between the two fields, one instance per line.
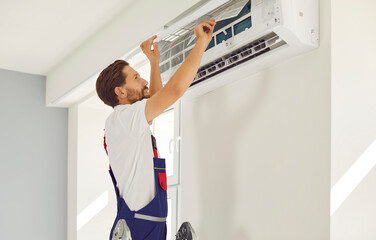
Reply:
x=152 y=55
x=204 y=30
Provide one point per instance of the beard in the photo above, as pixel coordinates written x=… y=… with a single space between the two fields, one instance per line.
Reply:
x=134 y=95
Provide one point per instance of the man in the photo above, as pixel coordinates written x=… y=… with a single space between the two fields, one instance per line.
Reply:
x=138 y=174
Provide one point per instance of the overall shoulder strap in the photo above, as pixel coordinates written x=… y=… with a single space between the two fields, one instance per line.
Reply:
x=154 y=144
x=110 y=170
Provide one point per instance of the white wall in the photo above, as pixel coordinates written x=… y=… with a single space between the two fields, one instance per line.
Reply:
x=72 y=172
x=91 y=196
x=353 y=114
x=93 y=179
x=256 y=153
x=33 y=145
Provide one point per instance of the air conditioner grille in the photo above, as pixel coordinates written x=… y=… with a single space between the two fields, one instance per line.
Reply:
x=254 y=49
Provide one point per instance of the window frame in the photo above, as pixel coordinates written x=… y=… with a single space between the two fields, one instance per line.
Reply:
x=174 y=144
x=173 y=194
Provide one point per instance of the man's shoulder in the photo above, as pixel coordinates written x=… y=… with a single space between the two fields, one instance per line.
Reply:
x=130 y=116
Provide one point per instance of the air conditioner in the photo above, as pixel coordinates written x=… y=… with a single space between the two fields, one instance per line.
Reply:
x=250 y=35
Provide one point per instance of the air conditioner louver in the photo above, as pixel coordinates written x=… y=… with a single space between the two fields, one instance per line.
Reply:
x=241 y=55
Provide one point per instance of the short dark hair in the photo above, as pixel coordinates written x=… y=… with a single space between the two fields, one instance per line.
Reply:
x=110 y=78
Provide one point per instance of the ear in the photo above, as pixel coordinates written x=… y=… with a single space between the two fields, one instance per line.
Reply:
x=120 y=92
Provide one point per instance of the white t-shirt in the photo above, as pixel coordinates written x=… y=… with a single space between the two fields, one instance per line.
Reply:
x=130 y=151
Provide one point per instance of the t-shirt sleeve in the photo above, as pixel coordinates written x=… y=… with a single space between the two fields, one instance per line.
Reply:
x=133 y=118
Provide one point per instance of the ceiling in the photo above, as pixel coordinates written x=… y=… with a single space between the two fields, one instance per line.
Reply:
x=35 y=36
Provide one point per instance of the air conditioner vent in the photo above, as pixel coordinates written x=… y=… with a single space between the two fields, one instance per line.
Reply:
x=252 y=50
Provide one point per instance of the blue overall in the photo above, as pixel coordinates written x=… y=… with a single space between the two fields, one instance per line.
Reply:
x=139 y=222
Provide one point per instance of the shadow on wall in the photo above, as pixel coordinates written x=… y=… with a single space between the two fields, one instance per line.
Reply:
x=218 y=206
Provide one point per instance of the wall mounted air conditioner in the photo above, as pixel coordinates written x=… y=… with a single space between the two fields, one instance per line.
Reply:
x=250 y=35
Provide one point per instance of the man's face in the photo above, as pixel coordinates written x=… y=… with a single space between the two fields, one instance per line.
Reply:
x=135 y=86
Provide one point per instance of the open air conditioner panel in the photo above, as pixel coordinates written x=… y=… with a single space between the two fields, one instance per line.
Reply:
x=175 y=47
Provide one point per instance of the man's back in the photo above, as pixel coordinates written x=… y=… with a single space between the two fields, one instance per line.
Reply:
x=128 y=139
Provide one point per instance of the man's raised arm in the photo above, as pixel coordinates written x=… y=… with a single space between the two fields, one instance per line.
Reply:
x=153 y=55
x=184 y=76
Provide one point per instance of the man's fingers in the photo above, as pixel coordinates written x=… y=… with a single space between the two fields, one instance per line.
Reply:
x=146 y=45
x=208 y=26
x=155 y=47
x=142 y=46
x=152 y=38
x=209 y=21
x=149 y=42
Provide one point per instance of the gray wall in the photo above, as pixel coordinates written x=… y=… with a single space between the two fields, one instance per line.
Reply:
x=33 y=168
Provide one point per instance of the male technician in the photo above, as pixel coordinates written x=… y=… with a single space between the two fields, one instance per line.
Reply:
x=138 y=174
